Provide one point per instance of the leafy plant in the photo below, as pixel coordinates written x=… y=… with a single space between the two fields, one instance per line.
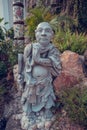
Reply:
x=70 y=41
x=10 y=33
x=3 y=30
x=8 y=57
x=75 y=103
x=3 y=69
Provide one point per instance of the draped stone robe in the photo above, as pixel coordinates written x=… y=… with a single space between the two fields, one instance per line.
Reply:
x=39 y=73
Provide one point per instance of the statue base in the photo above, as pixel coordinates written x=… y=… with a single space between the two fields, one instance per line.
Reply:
x=39 y=122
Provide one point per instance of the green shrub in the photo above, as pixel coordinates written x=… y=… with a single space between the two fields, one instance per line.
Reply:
x=3 y=69
x=2 y=87
x=70 y=41
x=8 y=57
x=6 y=48
x=75 y=103
x=66 y=37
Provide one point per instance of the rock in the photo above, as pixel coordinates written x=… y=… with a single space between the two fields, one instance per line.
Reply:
x=40 y=125
x=10 y=75
x=24 y=121
x=34 y=127
x=65 y=80
x=12 y=105
x=71 y=62
x=48 y=125
x=13 y=124
x=72 y=71
x=84 y=82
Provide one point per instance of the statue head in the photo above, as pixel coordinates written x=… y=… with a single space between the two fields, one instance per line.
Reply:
x=44 y=33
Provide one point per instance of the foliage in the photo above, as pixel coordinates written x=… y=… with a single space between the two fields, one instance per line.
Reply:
x=3 y=69
x=66 y=38
x=10 y=33
x=3 y=30
x=75 y=103
x=63 y=22
x=82 y=16
x=2 y=87
x=6 y=48
x=1 y=34
x=70 y=41
x=8 y=57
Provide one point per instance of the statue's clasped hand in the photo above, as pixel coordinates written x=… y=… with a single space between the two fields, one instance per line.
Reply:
x=20 y=79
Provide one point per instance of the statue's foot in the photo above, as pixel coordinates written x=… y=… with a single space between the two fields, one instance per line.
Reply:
x=24 y=121
x=32 y=118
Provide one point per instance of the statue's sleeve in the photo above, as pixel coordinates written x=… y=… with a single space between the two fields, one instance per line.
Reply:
x=54 y=56
x=38 y=59
x=27 y=51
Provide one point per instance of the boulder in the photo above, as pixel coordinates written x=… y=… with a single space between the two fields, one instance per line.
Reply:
x=72 y=70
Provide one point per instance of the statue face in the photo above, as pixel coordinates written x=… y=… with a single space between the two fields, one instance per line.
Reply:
x=44 y=33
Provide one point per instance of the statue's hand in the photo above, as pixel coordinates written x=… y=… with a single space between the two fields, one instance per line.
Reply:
x=20 y=79
x=33 y=82
x=36 y=53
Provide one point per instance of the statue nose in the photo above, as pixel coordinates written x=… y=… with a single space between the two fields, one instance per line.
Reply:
x=43 y=32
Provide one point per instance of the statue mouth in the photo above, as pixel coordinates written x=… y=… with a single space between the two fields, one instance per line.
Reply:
x=43 y=38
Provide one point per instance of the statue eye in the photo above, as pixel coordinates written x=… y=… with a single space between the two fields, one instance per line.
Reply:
x=47 y=30
x=39 y=30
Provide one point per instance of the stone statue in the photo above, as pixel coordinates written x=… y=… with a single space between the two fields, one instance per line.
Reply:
x=41 y=66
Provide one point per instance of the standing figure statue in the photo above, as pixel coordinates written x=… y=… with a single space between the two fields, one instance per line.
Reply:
x=41 y=66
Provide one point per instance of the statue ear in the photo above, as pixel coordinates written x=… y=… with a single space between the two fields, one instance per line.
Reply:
x=52 y=34
x=53 y=31
x=35 y=31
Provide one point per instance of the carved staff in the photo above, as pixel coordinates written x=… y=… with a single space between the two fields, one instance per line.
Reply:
x=18 y=25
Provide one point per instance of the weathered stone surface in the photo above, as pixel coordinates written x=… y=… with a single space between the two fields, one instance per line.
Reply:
x=15 y=72
x=71 y=62
x=72 y=71
x=13 y=124
x=65 y=80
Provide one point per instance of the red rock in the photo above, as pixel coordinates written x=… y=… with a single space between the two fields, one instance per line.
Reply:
x=71 y=63
x=65 y=80
x=72 y=71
